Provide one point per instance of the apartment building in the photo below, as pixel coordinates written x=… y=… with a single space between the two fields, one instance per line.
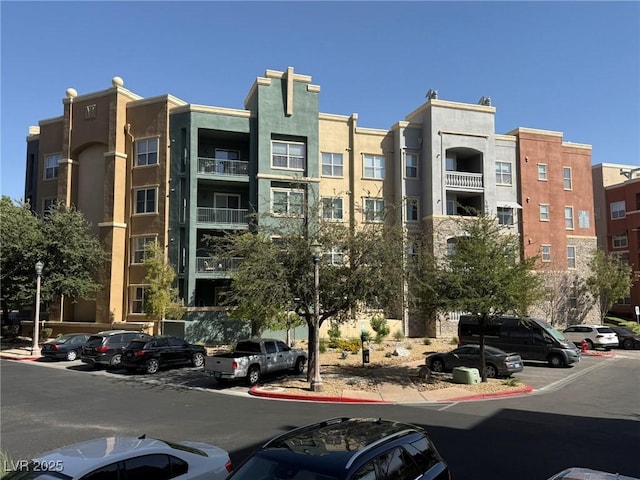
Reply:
x=161 y=169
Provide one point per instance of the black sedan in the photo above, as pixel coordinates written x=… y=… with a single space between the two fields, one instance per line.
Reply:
x=65 y=347
x=162 y=351
x=626 y=338
x=498 y=363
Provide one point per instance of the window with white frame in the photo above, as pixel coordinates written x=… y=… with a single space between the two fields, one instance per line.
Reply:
x=584 y=220
x=411 y=165
x=373 y=209
x=291 y=155
x=146 y=152
x=47 y=204
x=332 y=164
x=137 y=299
x=544 y=212
x=545 y=251
x=332 y=209
x=620 y=241
x=568 y=218
x=146 y=200
x=335 y=256
x=287 y=202
x=412 y=213
x=505 y=216
x=618 y=210
x=51 y=165
x=373 y=166
x=566 y=178
x=138 y=248
x=542 y=171
x=503 y=173
x=571 y=257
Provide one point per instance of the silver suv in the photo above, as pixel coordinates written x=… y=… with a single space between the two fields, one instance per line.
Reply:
x=594 y=335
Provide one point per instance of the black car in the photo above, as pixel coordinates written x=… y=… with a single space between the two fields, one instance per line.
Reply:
x=626 y=338
x=106 y=348
x=347 y=449
x=67 y=346
x=152 y=354
x=497 y=362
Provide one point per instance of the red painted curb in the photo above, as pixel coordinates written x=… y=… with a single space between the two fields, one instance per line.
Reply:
x=14 y=357
x=482 y=396
x=255 y=391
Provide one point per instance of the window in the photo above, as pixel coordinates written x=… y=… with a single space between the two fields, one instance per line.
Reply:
x=374 y=166
x=571 y=257
x=503 y=173
x=373 y=210
x=583 y=219
x=620 y=241
x=288 y=155
x=566 y=178
x=411 y=165
x=146 y=152
x=544 y=212
x=450 y=164
x=107 y=472
x=156 y=466
x=451 y=207
x=139 y=244
x=146 y=200
x=545 y=250
x=332 y=164
x=287 y=202
x=335 y=256
x=47 y=203
x=568 y=218
x=332 y=208
x=412 y=210
x=542 y=171
x=51 y=163
x=451 y=245
x=618 y=210
x=137 y=300
x=505 y=216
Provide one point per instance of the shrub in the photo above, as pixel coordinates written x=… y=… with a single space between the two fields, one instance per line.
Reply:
x=334 y=332
x=366 y=336
x=426 y=341
x=45 y=333
x=323 y=346
x=454 y=341
x=398 y=335
x=511 y=382
x=380 y=326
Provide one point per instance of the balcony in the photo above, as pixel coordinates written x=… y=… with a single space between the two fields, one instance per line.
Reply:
x=224 y=217
x=464 y=181
x=216 y=267
x=223 y=167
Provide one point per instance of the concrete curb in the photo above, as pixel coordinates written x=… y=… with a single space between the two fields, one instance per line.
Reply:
x=258 y=392
x=485 y=396
x=19 y=357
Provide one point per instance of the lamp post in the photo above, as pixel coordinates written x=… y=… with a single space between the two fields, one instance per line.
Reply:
x=316 y=255
x=35 y=348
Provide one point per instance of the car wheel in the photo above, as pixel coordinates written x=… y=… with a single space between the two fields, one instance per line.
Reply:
x=627 y=344
x=153 y=366
x=253 y=376
x=589 y=344
x=491 y=371
x=116 y=361
x=556 y=361
x=299 y=368
x=198 y=359
x=72 y=355
x=437 y=365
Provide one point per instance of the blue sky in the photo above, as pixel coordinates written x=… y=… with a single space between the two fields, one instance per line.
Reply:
x=564 y=66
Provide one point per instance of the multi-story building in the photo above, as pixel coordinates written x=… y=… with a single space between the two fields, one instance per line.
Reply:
x=160 y=169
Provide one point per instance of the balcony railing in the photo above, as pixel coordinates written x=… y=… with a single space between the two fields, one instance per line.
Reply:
x=218 y=166
x=464 y=180
x=216 y=265
x=227 y=216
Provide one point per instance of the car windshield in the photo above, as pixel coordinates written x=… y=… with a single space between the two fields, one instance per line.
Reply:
x=553 y=332
x=63 y=338
x=94 y=340
x=623 y=330
x=260 y=467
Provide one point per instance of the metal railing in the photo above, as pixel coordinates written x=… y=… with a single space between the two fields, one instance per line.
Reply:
x=218 y=166
x=213 y=264
x=223 y=215
x=464 y=180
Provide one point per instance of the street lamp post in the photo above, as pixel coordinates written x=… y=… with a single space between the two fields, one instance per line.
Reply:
x=316 y=252
x=35 y=348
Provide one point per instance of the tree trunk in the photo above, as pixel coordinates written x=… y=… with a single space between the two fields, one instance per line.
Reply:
x=483 y=364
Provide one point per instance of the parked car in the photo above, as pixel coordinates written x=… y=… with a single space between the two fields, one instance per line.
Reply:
x=497 y=362
x=253 y=358
x=106 y=348
x=131 y=458
x=626 y=338
x=579 y=473
x=347 y=448
x=157 y=352
x=594 y=335
x=65 y=347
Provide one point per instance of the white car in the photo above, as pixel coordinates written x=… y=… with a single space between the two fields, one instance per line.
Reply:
x=127 y=457
x=577 y=473
x=594 y=335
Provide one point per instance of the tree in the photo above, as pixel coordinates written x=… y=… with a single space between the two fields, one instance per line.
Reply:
x=485 y=274
x=161 y=298
x=610 y=280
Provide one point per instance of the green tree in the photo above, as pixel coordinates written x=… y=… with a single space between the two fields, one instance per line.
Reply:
x=485 y=274
x=610 y=280
x=161 y=298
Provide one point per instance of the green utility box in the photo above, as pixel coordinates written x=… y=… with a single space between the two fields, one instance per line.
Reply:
x=466 y=375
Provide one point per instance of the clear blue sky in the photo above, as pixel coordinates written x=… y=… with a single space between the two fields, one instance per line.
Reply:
x=565 y=66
